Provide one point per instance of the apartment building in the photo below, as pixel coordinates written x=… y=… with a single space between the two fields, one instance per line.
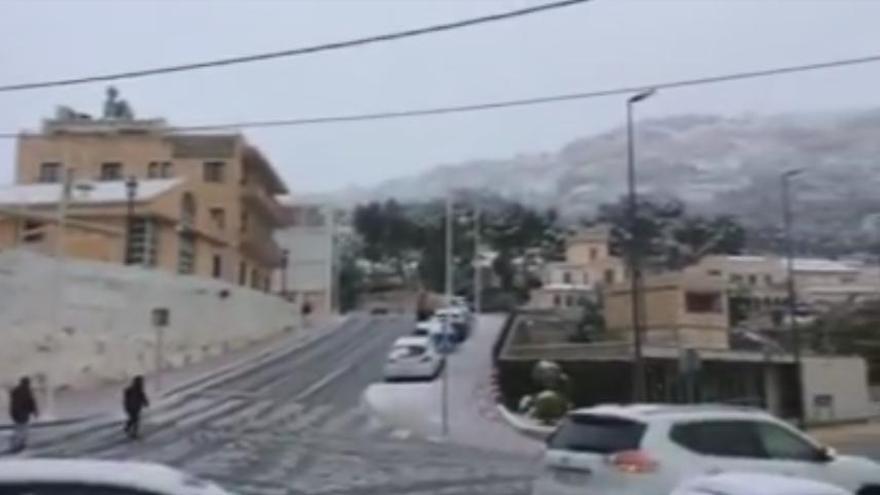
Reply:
x=680 y=311
x=138 y=192
x=588 y=267
x=308 y=240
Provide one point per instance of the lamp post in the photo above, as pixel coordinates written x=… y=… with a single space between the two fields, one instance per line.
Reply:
x=131 y=186
x=478 y=272
x=446 y=330
x=285 y=259
x=633 y=257
x=785 y=180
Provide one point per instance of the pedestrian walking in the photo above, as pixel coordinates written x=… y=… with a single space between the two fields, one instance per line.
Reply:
x=306 y=311
x=134 y=400
x=22 y=407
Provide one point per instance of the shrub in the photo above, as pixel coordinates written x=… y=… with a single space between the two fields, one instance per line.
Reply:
x=550 y=406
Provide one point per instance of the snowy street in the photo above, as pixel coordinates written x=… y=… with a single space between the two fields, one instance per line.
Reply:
x=473 y=416
x=296 y=424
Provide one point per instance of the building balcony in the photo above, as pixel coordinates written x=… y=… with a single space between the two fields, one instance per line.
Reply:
x=264 y=250
x=256 y=197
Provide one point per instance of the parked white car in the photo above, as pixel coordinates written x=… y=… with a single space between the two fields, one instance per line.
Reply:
x=650 y=449
x=755 y=484
x=78 y=476
x=413 y=357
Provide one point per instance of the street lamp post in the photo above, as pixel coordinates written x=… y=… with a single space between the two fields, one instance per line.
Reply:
x=791 y=293
x=131 y=186
x=446 y=330
x=285 y=259
x=635 y=270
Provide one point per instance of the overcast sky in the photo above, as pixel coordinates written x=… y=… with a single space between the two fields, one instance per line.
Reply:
x=602 y=44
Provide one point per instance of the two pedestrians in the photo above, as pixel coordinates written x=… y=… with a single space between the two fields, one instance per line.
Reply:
x=134 y=400
x=22 y=406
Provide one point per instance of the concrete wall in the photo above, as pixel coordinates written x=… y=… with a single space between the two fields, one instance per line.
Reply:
x=843 y=381
x=101 y=331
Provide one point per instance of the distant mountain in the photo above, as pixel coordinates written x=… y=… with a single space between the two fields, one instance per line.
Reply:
x=716 y=164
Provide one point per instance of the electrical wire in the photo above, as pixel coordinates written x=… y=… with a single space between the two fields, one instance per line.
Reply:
x=540 y=100
x=338 y=45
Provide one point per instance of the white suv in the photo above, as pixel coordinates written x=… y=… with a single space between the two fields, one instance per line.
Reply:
x=649 y=449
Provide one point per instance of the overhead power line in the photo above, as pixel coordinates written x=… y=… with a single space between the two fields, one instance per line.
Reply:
x=540 y=100
x=338 y=45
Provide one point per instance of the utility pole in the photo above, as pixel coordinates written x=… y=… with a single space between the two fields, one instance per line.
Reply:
x=789 y=283
x=446 y=329
x=478 y=275
x=60 y=269
x=635 y=269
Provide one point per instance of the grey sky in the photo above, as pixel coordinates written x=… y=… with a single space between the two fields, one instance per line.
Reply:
x=602 y=44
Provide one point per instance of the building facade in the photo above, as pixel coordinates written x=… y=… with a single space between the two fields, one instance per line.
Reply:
x=137 y=192
x=589 y=266
x=680 y=311
x=308 y=241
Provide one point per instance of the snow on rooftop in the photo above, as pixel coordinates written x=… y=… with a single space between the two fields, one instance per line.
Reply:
x=83 y=192
x=820 y=265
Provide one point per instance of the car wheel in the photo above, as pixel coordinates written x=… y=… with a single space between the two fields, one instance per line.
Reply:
x=869 y=490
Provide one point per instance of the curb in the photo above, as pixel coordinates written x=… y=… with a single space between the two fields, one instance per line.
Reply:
x=528 y=429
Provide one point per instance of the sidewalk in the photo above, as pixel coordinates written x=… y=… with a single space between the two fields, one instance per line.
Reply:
x=75 y=405
x=473 y=416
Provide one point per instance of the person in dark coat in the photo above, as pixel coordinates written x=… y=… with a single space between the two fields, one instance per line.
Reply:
x=134 y=399
x=22 y=406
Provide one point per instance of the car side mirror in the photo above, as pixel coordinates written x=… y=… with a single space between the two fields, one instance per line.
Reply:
x=826 y=454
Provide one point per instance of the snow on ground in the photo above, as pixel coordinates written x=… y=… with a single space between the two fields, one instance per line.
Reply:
x=473 y=415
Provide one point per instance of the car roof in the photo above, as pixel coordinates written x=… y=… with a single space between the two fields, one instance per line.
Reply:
x=675 y=412
x=412 y=340
x=137 y=475
x=736 y=483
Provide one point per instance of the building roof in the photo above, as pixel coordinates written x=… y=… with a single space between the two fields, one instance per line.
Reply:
x=820 y=265
x=84 y=192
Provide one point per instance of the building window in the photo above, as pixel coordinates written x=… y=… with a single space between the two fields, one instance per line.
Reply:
x=593 y=253
x=569 y=301
x=244 y=221
x=188 y=210
x=557 y=300
x=32 y=232
x=768 y=279
x=735 y=278
x=255 y=278
x=111 y=171
x=566 y=277
x=186 y=254
x=702 y=302
x=714 y=273
x=218 y=217
x=242 y=273
x=753 y=279
x=142 y=242
x=609 y=276
x=214 y=171
x=50 y=172
x=154 y=170
x=586 y=278
x=217 y=266
x=167 y=170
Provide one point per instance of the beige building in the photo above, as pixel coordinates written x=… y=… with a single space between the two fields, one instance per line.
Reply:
x=680 y=311
x=588 y=267
x=199 y=204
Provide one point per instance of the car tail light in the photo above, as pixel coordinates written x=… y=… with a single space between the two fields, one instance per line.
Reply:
x=633 y=461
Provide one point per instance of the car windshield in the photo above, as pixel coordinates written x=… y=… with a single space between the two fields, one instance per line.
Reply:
x=456 y=247
x=597 y=434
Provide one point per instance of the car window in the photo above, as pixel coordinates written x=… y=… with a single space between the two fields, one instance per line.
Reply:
x=66 y=489
x=719 y=438
x=599 y=434
x=405 y=351
x=780 y=443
